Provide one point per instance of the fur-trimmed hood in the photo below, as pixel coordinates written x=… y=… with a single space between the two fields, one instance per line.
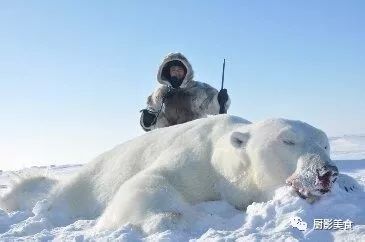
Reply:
x=161 y=78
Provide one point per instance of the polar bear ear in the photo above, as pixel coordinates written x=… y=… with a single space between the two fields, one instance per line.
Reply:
x=239 y=140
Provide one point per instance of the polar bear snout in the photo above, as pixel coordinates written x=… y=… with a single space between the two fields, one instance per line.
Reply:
x=326 y=176
x=314 y=176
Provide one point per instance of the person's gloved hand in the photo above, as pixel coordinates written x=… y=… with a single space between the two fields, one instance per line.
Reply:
x=222 y=97
x=148 y=118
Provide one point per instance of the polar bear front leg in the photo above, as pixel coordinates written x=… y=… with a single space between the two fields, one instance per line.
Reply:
x=147 y=200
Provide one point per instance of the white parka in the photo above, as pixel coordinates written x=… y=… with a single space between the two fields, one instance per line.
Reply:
x=192 y=100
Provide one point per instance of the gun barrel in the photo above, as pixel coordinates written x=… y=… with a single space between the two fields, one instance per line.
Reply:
x=224 y=66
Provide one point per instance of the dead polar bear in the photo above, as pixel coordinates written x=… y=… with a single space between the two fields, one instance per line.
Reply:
x=154 y=178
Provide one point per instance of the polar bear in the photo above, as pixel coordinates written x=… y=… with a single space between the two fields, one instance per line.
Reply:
x=155 y=178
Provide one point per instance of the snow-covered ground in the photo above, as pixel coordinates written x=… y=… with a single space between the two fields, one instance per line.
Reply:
x=270 y=221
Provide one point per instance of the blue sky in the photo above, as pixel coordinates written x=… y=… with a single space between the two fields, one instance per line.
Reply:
x=74 y=74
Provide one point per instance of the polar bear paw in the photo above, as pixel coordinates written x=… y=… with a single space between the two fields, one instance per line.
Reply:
x=348 y=183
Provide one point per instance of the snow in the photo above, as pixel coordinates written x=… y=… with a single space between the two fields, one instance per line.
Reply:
x=348 y=147
x=267 y=221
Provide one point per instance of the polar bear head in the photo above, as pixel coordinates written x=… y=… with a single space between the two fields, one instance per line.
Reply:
x=276 y=151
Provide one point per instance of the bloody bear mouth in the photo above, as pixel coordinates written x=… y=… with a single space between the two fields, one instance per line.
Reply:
x=320 y=183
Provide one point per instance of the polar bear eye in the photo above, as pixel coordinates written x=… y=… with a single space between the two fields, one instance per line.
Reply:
x=325 y=147
x=289 y=142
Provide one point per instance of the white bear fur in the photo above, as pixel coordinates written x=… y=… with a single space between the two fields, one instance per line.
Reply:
x=154 y=178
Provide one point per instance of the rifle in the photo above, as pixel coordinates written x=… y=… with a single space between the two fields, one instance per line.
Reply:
x=224 y=66
x=221 y=108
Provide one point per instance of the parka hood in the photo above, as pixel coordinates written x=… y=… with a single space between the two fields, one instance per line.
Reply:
x=163 y=71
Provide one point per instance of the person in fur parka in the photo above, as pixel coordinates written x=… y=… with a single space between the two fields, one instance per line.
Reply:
x=180 y=99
